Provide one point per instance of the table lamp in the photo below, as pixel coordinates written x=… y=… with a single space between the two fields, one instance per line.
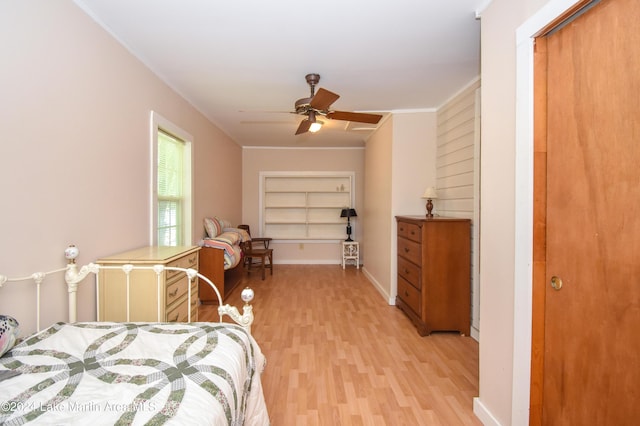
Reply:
x=430 y=194
x=348 y=213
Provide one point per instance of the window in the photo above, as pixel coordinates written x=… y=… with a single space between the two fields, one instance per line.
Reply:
x=170 y=159
x=171 y=201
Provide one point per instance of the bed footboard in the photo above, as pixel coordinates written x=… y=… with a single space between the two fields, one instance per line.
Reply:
x=74 y=277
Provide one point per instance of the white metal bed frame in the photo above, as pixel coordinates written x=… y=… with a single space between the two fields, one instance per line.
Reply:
x=74 y=276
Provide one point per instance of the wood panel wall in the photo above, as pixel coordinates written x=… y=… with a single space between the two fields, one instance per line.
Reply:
x=457 y=172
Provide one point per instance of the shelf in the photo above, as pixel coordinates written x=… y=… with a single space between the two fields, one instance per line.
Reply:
x=285 y=223
x=299 y=205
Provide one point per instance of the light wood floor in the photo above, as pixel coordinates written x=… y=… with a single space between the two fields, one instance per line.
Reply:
x=338 y=354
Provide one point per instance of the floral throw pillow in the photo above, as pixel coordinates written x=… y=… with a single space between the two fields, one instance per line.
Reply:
x=8 y=333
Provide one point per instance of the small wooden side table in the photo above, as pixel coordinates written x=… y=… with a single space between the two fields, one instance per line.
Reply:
x=350 y=251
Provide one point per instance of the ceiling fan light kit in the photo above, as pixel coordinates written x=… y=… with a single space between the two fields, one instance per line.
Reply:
x=319 y=104
x=315 y=126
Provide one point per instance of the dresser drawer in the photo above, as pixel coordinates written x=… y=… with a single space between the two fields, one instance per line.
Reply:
x=410 y=295
x=410 y=231
x=180 y=313
x=189 y=261
x=176 y=290
x=410 y=250
x=410 y=272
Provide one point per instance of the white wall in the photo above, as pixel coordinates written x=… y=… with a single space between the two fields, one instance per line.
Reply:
x=400 y=164
x=498 y=243
x=376 y=220
x=75 y=117
x=413 y=159
x=413 y=169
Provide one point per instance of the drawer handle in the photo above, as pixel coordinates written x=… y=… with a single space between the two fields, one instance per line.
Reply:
x=406 y=249
x=406 y=271
x=193 y=259
x=406 y=293
x=413 y=232
x=173 y=294
x=176 y=318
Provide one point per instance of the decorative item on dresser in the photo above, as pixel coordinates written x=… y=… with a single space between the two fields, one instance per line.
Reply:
x=430 y=194
x=434 y=273
x=154 y=297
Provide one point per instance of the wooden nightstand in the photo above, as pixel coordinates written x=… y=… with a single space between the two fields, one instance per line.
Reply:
x=351 y=251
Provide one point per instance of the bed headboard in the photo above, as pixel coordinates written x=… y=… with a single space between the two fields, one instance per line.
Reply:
x=74 y=276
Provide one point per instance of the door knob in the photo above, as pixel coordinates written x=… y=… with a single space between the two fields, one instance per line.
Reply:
x=556 y=282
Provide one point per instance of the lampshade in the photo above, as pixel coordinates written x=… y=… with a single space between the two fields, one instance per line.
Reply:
x=348 y=213
x=430 y=193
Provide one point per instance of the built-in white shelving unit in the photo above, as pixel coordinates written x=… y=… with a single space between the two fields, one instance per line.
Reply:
x=305 y=205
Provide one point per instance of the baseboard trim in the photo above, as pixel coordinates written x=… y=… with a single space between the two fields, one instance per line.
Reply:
x=306 y=262
x=378 y=287
x=482 y=413
x=475 y=334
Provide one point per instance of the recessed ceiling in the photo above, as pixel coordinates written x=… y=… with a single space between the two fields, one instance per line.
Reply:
x=243 y=63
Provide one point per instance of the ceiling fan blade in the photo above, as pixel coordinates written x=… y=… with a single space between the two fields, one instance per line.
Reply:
x=354 y=116
x=323 y=99
x=265 y=112
x=303 y=127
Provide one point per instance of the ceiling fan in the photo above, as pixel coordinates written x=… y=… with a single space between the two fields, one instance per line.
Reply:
x=318 y=104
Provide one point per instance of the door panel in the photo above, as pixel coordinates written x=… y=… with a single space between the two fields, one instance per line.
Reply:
x=592 y=323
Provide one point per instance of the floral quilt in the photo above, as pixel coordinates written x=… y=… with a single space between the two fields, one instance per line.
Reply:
x=134 y=373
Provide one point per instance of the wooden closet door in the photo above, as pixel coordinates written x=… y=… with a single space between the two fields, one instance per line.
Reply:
x=591 y=333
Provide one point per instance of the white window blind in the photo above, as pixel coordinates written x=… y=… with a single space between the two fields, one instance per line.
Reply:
x=170 y=190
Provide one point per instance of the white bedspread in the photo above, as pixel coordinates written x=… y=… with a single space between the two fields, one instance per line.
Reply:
x=132 y=373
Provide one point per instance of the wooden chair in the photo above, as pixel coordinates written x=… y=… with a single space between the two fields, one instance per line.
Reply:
x=264 y=240
x=257 y=256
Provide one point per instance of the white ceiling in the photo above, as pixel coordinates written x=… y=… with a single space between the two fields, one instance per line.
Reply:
x=242 y=63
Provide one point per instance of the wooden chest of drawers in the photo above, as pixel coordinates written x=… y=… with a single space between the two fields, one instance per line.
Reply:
x=434 y=273
x=153 y=297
